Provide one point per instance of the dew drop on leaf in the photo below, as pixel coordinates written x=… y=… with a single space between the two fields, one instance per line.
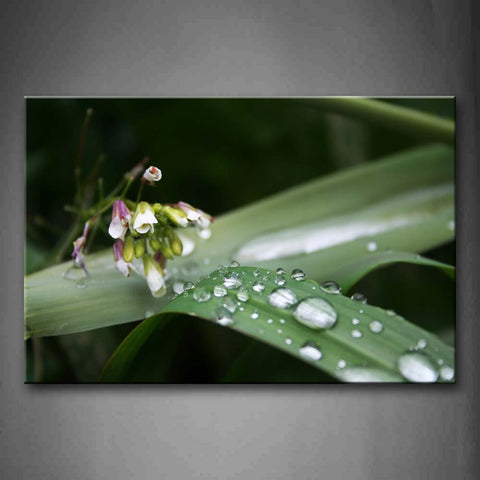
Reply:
x=417 y=367
x=243 y=294
x=201 y=295
x=315 y=313
x=219 y=291
x=311 y=351
x=356 y=333
x=375 y=326
x=282 y=298
x=297 y=275
x=231 y=281
x=258 y=287
x=359 y=298
x=331 y=287
x=223 y=317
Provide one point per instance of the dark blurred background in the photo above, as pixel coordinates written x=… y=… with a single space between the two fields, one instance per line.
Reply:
x=218 y=154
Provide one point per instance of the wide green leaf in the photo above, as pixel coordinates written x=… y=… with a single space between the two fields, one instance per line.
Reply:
x=362 y=344
x=404 y=202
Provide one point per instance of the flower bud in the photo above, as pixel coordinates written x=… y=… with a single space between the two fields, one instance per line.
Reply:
x=139 y=247
x=166 y=251
x=128 y=249
x=154 y=243
x=121 y=217
x=152 y=174
x=175 y=242
x=175 y=215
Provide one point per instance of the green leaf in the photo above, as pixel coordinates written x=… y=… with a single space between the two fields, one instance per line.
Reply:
x=404 y=202
x=350 y=274
x=376 y=345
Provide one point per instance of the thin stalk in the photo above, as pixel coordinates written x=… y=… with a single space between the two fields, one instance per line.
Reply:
x=403 y=119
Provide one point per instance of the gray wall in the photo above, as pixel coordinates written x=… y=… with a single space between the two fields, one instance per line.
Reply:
x=243 y=48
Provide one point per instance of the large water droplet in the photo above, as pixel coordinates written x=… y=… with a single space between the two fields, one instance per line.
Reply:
x=230 y=305
x=178 y=287
x=447 y=373
x=356 y=333
x=280 y=280
x=298 y=275
x=219 y=291
x=417 y=367
x=359 y=298
x=367 y=374
x=282 y=298
x=188 y=286
x=81 y=283
x=315 y=313
x=375 y=326
x=223 y=317
x=280 y=271
x=372 y=246
x=243 y=294
x=231 y=281
x=201 y=295
x=234 y=264
x=311 y=351
x=331 y=287
x=74 y=273
x=258 y=287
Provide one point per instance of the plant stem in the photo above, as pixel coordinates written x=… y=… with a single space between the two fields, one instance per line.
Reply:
x=404 y=119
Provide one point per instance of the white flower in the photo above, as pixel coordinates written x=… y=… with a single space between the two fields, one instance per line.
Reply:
x=144 y=218
x=120 y=263
x=152 y=174
x=121 y=217
x=154 y=276
x=197 y=216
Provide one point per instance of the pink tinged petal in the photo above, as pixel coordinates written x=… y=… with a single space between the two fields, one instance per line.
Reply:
x=116 y=229
x=192 y=213
x=118 y=250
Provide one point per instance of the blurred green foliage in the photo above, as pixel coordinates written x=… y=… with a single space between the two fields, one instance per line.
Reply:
x=218 y=154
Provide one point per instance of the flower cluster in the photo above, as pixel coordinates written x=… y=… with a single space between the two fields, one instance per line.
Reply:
x=145 y=235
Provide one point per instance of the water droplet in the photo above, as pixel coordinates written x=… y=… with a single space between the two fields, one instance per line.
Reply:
x=311 y=351
x=390 y=312
x=417 y=367
x=282 y=298
x=231 y=281
x=243 y=294
x=440 y=361
x=375 y=326
x=421 y=344
x=178 y=287
x=341 y=363
x=201 y=295
x=315 y=313
x=204 y=233
x=280 y=280
x=254 y=315
x=230 y=305
x=331 y=287
x=361 y=310
x=298 y=275
x=447 y=373
x=258 y=287
x=188 y=286
x=451 y=225
x=256 y=273
x=367 y=374
x=223 y=317
x=149 y=313
x=280 y=271
x=279 y=330
x=359 y=298
x=234 y=264
x=222 y=269
x=81 y=283
x=357 y=333
x=282 y=321
x=355 y=321
x=288 y=341
x=270 y=321
x=74 y=273
x=219 y=291
x=372 y=246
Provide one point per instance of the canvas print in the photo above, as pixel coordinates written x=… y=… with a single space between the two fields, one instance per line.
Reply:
x=240 y=240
